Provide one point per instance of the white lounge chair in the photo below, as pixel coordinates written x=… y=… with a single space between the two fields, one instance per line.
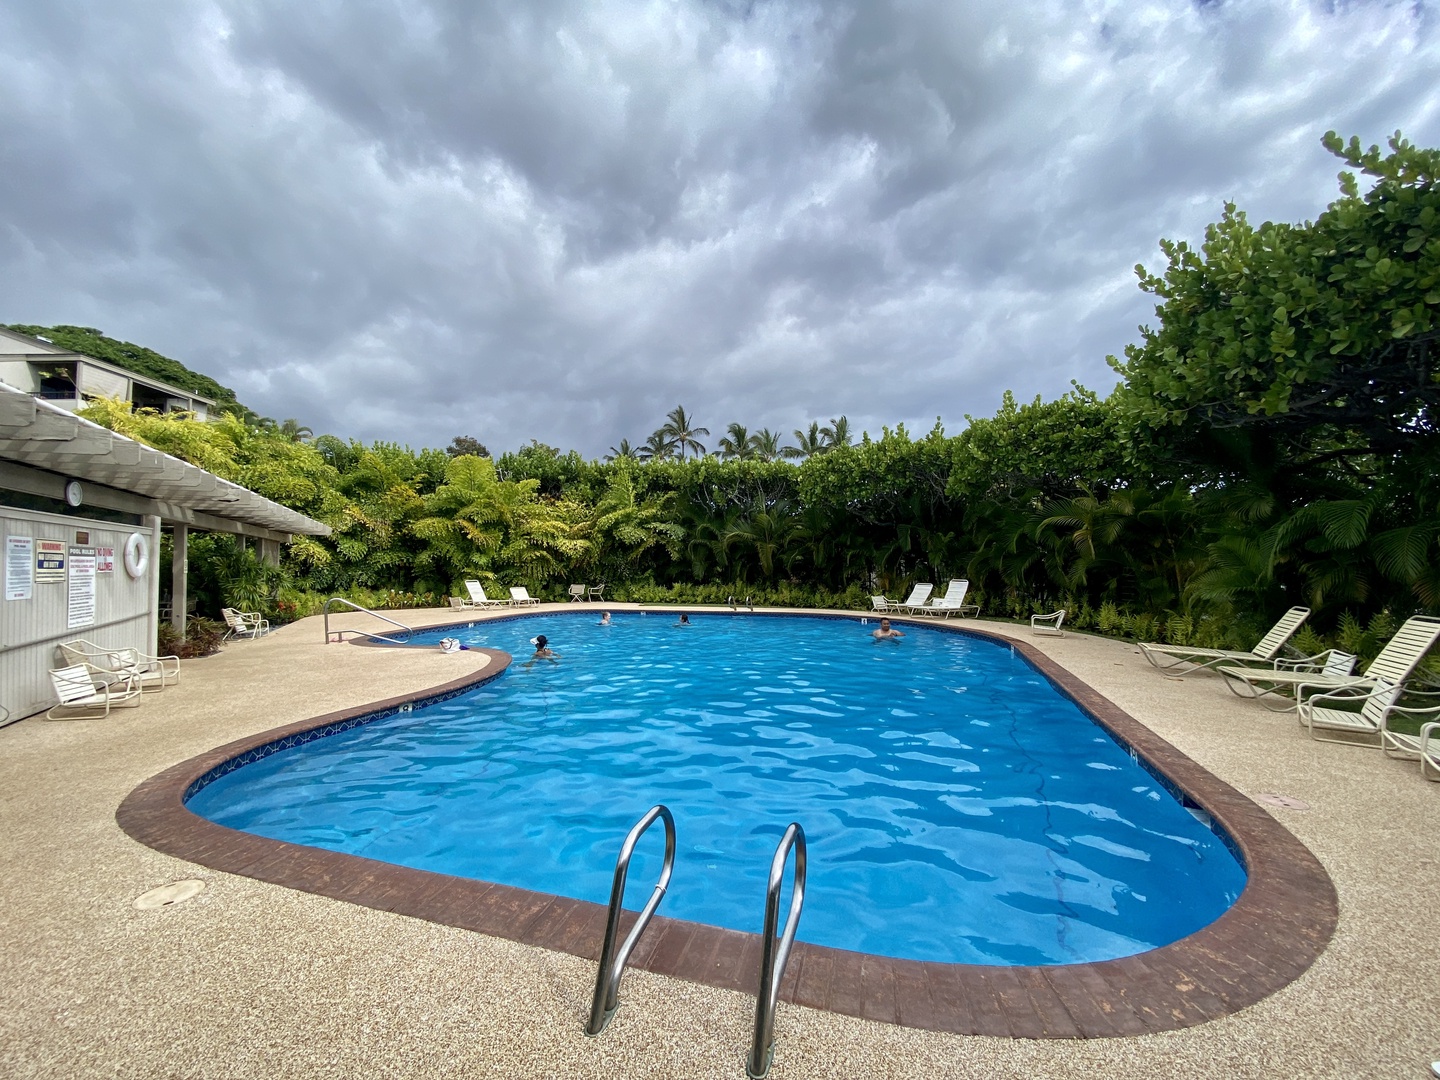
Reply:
x=915 y=602
x=1048 y=624
x=1424 y=746
x=880 y=603
x=1329 y=668
x=85 y=693
x=153 y=673
x=479 y=599
x=1395 y=664
x=1369 y=723
x=244 y=623
x=577 y=592
x=1166 y=657
x=953 y=602
x=520 y=596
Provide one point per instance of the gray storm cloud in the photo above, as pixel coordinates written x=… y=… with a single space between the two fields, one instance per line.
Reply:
x=558 y=220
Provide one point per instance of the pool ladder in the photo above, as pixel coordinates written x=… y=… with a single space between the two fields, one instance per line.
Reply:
x=774 y=955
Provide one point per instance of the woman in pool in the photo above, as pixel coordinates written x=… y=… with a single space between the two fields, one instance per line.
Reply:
x=543 y=650
x=886 y=632
x=605 y=618
x=684 y=620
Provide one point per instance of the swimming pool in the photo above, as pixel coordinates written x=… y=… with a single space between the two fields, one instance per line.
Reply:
x=958 y=807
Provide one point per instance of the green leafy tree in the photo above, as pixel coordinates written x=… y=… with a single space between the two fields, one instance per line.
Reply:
x=680 y=429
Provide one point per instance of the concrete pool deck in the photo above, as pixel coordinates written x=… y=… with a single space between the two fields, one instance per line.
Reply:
x=252 y=979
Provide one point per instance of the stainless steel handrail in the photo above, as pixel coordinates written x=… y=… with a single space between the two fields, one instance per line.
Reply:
x=340 y=634
x=776 y=953
x=612 y=961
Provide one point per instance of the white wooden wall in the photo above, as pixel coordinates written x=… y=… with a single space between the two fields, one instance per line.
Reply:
x=126 y=609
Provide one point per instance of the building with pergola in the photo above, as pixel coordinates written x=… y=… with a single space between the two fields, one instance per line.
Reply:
x=81 y=511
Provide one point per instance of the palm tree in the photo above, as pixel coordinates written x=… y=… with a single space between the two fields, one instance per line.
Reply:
x=295 y=431
x=657 y=448
x=807 y=443
x=681 y=431
x=623 y=451
x=836 y=433
x=737 y=443
x=766 y=444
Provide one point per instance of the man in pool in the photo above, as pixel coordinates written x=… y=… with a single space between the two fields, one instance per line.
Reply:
x=886 y=632
x=684 y=620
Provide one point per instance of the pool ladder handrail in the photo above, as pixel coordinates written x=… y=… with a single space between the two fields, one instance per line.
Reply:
x=340 y=634
x=776 y=952
x=612 y=960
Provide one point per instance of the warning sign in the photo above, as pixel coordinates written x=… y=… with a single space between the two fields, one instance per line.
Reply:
x=49 y=561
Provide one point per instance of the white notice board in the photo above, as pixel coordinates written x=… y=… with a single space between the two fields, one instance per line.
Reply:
x=82 y=587
x=19 y=567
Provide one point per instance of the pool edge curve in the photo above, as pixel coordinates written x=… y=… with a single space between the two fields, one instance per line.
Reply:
x=1279 y=926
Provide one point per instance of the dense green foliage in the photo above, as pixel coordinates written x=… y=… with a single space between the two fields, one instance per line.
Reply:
x=1273 y=443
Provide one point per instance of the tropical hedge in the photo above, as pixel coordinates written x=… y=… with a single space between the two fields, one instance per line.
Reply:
x=1272 y=442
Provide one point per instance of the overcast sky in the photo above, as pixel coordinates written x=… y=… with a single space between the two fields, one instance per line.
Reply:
x=412 y=220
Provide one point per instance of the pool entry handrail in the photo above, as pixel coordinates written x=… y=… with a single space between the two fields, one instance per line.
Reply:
x=340 y=634
x=776 y=952
x=612 y=960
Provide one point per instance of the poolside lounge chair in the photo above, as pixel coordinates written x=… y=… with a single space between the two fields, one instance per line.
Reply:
x=153 y=673
x=577 y=592
x=915 y=602
x=1369 y=723
x=1166 y=657
x=244 y=623
x=85 y=693
x=479 y=599
x=1048 y=624
x=1337 y=669
x=953 y=602
x=1395 y=664
x=1425 y=746
x=520 y=596
x=880 y=603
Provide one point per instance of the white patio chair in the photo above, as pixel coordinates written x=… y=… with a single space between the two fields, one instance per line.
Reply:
x=1166 y=657
x=1369 y=723
x=915 y=602
x=247 y=624
x=953 y=602
x=84 y=693
x=577 y=593
x=1395 y=664
x=1331 y=668
x=880 y=603
x=520 y=596
x=596 y=592
x=479 y=599
x=153 y=673
x=1048 y=624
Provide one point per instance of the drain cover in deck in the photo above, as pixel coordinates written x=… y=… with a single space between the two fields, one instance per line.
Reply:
x=168 y=895
x=1285 y=802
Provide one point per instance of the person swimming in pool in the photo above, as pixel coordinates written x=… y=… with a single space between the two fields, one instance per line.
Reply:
x=886 y=632
x=542 y=650
x=684 y=620
x=605 y=619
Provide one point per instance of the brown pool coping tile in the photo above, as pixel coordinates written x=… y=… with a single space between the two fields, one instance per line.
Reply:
x=1273 y=933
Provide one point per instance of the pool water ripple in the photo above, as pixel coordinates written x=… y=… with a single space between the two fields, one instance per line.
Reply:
x=958 y=808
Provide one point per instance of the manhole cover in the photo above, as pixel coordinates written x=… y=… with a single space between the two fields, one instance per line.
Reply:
x=1285 y=802
x=166 y=895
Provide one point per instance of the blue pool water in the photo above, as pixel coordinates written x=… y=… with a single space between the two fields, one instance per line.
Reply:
x=958 y=808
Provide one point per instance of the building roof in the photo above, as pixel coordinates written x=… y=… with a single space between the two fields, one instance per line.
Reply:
x=37 y=434
x=47 y=350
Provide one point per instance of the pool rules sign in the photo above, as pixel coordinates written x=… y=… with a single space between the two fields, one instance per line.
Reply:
x=82 y=587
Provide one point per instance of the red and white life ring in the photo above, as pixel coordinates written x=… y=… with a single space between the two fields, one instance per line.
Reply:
x=137 y=554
